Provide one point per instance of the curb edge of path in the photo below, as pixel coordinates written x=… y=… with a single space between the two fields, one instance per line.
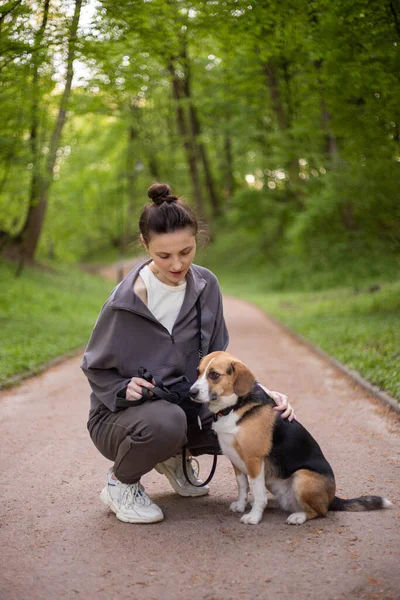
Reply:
x=383 y=397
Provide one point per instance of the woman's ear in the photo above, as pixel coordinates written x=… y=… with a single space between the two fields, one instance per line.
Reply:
x=143 y=242
x=243 y=379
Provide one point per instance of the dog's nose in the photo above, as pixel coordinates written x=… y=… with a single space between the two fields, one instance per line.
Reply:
x=193 y=393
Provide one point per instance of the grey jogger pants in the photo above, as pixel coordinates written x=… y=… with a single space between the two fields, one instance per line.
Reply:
x=139 y=437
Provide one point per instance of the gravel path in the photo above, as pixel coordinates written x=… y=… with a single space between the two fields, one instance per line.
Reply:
x=58 y=541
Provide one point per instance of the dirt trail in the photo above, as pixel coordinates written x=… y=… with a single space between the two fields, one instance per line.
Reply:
x=58 y=541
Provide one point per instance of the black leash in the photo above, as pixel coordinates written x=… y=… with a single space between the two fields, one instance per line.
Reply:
x=200 y=335
x=158 y=392
x=211 y=475
x=215 y=459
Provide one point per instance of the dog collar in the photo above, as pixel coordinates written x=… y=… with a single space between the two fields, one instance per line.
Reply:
x=242 y=401
x=226 y=411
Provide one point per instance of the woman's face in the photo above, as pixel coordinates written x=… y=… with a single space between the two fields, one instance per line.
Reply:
x=172 y=254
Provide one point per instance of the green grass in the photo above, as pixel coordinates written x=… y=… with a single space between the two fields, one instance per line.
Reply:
x=44 y=314
x=358 y=327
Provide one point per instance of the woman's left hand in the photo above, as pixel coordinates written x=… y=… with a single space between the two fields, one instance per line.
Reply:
x=282 y=404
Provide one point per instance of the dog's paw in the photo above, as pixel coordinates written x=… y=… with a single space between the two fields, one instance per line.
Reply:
x=296 y=518
x=237 y=506
x=251 y=518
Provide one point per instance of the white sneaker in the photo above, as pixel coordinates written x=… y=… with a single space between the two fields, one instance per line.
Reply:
x=130 y=502
x=173 y=470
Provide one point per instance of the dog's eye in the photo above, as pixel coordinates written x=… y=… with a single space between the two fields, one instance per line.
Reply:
x=214 y=375
x=198 y=371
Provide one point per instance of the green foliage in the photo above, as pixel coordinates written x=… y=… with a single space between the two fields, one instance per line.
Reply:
x=300 y=96
x=45 y=313
x=354 y=215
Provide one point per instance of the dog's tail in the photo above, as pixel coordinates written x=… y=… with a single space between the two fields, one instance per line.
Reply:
x=361 y=503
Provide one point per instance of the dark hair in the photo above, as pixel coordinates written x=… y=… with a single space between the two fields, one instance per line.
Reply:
x=167 y=213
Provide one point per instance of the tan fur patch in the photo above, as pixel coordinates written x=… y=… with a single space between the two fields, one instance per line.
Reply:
x=253 y=441
x=254 y=466
x=314 y=492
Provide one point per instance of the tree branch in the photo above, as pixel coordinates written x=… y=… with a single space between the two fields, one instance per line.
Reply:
x=7 y=12
x=396 y=17
x=56 y=135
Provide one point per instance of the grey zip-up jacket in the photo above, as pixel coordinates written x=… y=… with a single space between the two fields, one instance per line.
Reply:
x=127 y=336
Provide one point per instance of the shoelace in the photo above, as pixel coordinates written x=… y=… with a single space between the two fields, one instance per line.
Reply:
x=191 y=460
x=135 y=494
x=194 y=472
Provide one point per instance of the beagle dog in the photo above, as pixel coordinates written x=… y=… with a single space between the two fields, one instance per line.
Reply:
x=273 y=453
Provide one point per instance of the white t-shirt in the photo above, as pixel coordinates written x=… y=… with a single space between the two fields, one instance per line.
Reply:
x=163 y=301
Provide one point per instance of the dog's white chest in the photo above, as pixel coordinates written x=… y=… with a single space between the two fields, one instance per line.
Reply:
x=226 y=430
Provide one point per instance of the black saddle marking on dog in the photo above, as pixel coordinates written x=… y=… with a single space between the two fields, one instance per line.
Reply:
x=294 y=448
x=250 y=413
x=258 y=398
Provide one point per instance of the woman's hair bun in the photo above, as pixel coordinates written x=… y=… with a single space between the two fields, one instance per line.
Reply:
x=161 y=192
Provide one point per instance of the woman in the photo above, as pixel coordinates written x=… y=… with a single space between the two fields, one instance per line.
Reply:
x=151 y=320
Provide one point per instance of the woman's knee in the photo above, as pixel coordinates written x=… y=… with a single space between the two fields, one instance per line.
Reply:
x=168 y=424
x=161 y=435
x=158 y=427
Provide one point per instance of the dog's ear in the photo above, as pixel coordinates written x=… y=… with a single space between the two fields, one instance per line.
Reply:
x=243 y=378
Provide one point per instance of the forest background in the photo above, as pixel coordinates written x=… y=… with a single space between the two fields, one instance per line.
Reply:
x=278 y=121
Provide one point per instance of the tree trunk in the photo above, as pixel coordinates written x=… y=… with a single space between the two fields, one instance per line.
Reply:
x=41 y=183
x=34 y=135
x=188 y=143
x=396 y=14
x=196 y=131
x=154 y=166
x=293 y=166
x=282 y=116
x=330 y=148
x=330 y=140
x=272 y=83
x=13 y=245
x=131 y=175
x=229 y=178
x=347 y=213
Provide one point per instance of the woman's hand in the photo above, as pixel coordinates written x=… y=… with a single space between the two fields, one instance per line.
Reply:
x=134 y=389
x=282 y=404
